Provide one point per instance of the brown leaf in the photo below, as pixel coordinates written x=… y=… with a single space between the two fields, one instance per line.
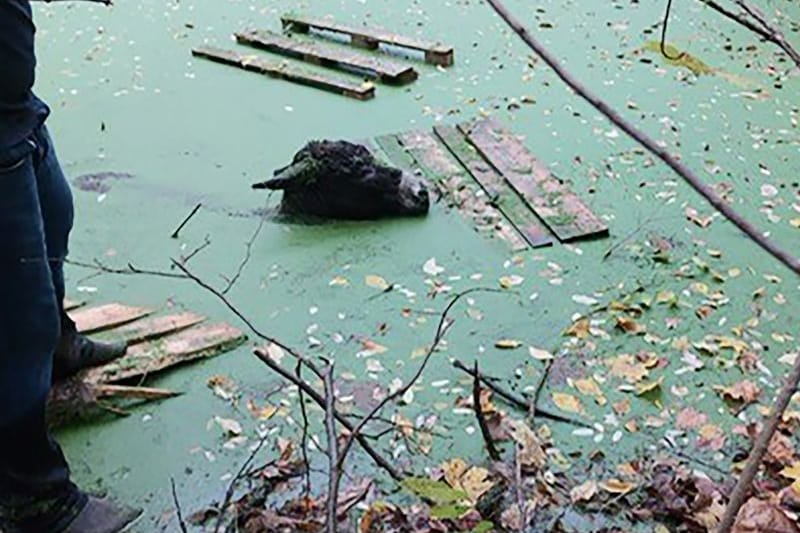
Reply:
x=690 y=418
x=584 y=492
x=745 y=392
x=629 y=325
x=757 y=516
x=567 y=402
x=579 y=329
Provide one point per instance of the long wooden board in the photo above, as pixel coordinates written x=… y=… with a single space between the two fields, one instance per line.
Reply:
x=106 y=316
x=151 y=328
x=503 y=195
x=71 y=305
x=384 y=70
x=148 y=358
x=252 y=63
x=559 y=208
x=371 y=38
x=420 y=152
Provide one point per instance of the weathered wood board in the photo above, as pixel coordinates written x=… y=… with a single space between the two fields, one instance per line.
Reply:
x=71 y=305
x=106 y=316
x=503 y=195
x=559 y=208
x=151 y=357
x=252 y=63
x=421 y=153
x=371 y=38
x=151 y=328
x=387 y=71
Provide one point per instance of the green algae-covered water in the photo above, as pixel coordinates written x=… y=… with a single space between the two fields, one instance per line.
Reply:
x=128 y=97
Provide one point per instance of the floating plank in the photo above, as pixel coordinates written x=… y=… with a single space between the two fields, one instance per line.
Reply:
x=148 y=358
x=359 y=91
x=371 y=38
x=384 y=70
x=503 y=195
x=559 y=208
x=151 y=328
x=421 y=153
x=71 y=305
x=106 y=317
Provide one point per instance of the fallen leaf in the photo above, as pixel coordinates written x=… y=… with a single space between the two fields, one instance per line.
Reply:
x=539 y=354
x=508 y=282
x=377 y=282
x=507 y=344
x=579 y=329
x=616 y=486
x=629 y=325
x=690 y=418
x=229 y=426
x=627 y=367
x=757 y=516
x=745 y=392
x=431 y=268
x=567 y=402
x=583 y=492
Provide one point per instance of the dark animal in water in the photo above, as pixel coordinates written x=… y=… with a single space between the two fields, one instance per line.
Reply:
x=342 y=180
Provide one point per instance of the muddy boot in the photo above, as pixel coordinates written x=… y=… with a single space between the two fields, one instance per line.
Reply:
x=75 y=352
x=101 y=515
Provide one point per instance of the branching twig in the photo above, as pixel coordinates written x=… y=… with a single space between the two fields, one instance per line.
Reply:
x=185 y=221
x=178 y=510
x=441 y=330
x=494 y=454
x=130 y=270
x=298 y=371
x=206 y=243
x=517 y=401
x=232 y=485
x=642 y=138
x=334 y=476
x=246 y=259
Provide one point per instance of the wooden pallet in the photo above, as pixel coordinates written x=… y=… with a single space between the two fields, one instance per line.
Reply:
x=386 y=71
x=372 y=38
x=420 y=153
x=503 y=195
x=155 y=344
x=252 y=63
x=559 y=208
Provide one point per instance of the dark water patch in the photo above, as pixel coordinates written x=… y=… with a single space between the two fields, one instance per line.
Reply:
x=99 y=182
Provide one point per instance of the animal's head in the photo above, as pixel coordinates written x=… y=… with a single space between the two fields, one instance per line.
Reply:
x=338 y=179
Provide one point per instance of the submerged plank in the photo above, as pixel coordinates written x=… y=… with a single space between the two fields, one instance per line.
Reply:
x=151 y=328
x=503 y=195
x=560 y=209
x=435 y=53
x=359 y=91
x=107 y=317
x=421 y=153
x=71 y=305
x=384 y=70
x=148 y=358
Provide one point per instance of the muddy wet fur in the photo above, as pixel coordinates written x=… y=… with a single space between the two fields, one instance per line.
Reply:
x=343 y=180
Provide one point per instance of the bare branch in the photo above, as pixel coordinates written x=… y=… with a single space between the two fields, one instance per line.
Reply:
x=185 y=221
x=248 y=253
x=477 y=406
x=298 y=371
x=642 y=138
x=334 y=477
x=178 y=510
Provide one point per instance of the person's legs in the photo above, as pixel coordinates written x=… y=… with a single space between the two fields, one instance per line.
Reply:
x=34 y=477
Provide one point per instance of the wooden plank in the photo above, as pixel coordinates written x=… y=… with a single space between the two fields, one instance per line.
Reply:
x=421 y=153
x=107 y=317
x=435 y=53
x=503 y=195
x=559 y=208
x=384 y=70
x=151 y=328
x=148 y=358
x=359 y=91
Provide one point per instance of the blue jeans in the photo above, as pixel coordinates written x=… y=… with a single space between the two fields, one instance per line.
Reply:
x=35 y=221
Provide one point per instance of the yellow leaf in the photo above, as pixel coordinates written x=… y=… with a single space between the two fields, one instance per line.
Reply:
x=795 y=222
x=567 y=402
x=377 y=282
x=539 y=354
x=453 y=470
x=588 y=387
x=616 y=486
x=648 y=386
x=579 y=329
x=476 y=483
x=339 y=281
x=508 y=282
x=666 y=297
x=625 y=366
x=792 y=472
x=507 y=344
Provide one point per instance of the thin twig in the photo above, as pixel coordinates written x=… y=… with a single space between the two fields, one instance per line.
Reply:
x=664 y=36
x=185 y=221
x=642 y=138
x=334 y=477
x=246 y=259
x=178 y=510
x=494 y=454
x=534 y=403
x=760 y=446
x=130 y=270
x=517 y=401
x=441 y=330
x=232 y=485
x=206 y=243
x=298 y=371
x=320 y=400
